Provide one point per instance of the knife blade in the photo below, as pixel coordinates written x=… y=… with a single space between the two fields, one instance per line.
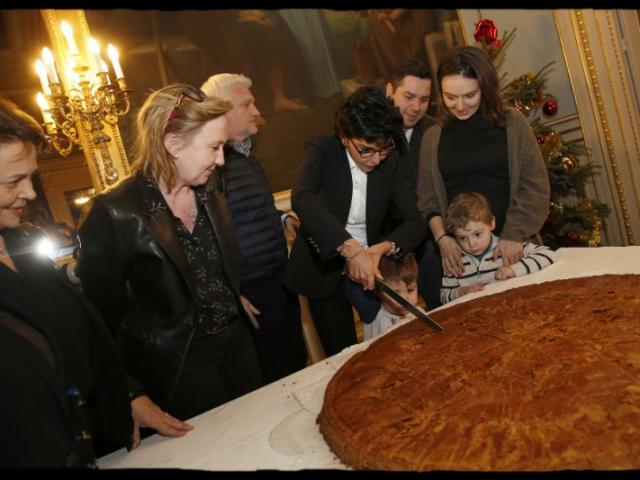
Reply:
x=431 y=323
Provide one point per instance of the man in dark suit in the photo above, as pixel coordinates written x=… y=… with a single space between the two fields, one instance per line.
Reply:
x=348 y=187
x=410 y=89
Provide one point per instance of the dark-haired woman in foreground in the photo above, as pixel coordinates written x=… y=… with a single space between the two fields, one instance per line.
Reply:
x=64 y=396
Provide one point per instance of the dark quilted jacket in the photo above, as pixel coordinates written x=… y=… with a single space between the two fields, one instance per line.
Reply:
x=263 y=249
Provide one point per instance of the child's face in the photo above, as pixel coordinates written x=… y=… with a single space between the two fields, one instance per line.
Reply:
x=475 y=237
x=408 y=291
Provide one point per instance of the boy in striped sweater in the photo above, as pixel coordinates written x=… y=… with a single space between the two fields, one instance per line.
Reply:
x=470 y=220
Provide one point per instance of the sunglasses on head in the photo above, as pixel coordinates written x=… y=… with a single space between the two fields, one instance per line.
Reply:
x=195 y=94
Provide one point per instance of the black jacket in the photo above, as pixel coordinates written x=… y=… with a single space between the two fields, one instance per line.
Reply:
x=321 y=197
x=39 y=421
x=410 y=158
x=135 y=272
x=263 y=248
x=410 y=151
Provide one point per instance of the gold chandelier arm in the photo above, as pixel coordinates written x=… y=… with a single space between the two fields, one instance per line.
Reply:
x=62 y=143
x=83 y=96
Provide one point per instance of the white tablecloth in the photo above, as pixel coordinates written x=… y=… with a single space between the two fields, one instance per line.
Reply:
x=275 y=428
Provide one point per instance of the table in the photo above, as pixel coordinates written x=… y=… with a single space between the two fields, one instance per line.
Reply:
x=274 y=427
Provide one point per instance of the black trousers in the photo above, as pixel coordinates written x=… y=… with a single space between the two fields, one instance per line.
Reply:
x=218 y=368
x=430 y=274
x=334 y=321
x=279 y=340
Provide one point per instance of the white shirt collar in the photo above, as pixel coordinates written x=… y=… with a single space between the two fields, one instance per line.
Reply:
x=407 y=133
x=352 y=162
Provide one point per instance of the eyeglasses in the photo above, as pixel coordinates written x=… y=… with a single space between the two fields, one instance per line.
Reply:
x=368 y=152
x=196 y=95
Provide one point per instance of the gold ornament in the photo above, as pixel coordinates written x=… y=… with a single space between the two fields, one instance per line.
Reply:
x=568 y=164
x=594 y=240
x=556 y=208
x=585 y=238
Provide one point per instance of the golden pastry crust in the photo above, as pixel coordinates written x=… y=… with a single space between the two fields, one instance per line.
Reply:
x=541 y=377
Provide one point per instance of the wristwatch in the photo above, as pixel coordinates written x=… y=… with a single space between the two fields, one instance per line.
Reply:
x=393 y=250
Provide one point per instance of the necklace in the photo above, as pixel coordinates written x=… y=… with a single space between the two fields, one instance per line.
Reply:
x=182 y=205
x=189 y=213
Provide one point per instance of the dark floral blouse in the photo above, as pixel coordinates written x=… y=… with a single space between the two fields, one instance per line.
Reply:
x=215 y=302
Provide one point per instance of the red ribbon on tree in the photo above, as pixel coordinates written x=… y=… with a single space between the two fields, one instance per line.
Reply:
x=487 y=32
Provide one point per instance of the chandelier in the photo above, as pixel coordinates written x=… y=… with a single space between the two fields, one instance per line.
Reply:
x=91 y=98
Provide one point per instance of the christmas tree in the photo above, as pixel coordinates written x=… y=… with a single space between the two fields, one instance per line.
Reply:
x=574 y=219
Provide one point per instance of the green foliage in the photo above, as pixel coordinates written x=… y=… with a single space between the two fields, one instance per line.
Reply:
x=564 y=184
x=574 y=226
x=527 y=92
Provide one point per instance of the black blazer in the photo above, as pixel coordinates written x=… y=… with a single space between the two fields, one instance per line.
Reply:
x=411 y=149
x=321 y=197
x=37 y=427
x=134 y=270
x=38 y=421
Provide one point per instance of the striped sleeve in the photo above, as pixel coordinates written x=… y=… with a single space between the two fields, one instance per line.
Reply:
x=534 y=258
x=449 y=289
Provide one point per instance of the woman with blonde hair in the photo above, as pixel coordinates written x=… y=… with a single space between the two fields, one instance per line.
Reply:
x=159 y=260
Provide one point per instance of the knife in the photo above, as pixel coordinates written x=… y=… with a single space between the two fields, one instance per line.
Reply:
x=411 y=308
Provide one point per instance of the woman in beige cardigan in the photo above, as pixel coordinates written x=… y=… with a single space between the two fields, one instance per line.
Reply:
x=485 y=146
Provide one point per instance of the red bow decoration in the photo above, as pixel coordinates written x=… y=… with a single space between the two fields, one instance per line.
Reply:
x=487 y=32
